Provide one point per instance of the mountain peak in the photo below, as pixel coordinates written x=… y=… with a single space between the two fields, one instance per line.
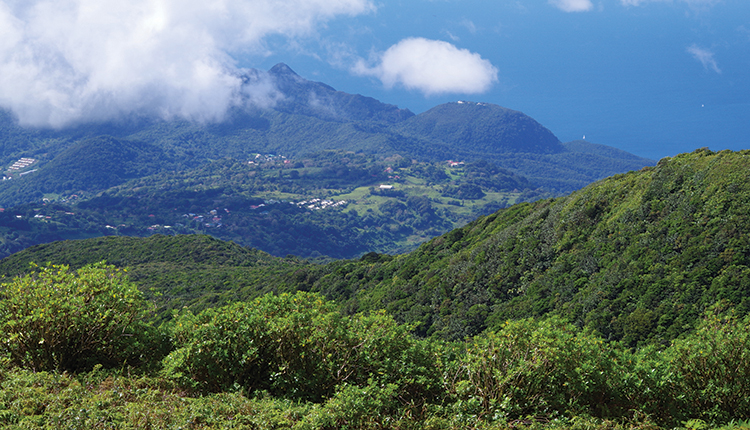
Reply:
x=483 y=128
x=323 y=101
x=282 y=69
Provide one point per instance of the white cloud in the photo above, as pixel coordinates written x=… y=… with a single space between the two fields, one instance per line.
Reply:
x=65 y=61
x=572 y=5
x=705 y=57
x=432 y=67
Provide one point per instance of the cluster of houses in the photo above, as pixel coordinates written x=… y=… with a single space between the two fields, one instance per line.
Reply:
x=22 y=163
x=19 y=165
x=317 y=204
x=312 y=204
x=211 y=219
x=269 y=158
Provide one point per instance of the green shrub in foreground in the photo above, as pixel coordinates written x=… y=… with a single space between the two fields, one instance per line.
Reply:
x=58 y=319
x=297 y=346
x=540 y=368
x=712 y=366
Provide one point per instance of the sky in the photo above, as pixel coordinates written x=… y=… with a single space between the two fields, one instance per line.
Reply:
x=651 y=77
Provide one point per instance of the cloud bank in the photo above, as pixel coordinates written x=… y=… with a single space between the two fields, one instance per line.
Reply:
x=705 y=57
x=67 y=61
x=572 y=5
x=432 y=67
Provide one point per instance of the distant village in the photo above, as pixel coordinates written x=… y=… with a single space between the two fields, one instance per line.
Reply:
x=20 y=165
x=269 y=158
x=215 y=217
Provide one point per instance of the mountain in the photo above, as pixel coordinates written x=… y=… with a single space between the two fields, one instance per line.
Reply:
x=637 y=257
x=319 y=100
x=476 y=129
x=139 y=176
x=310 y=117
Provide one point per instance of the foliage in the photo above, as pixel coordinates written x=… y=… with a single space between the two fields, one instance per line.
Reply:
x=116 y=400
x=58 y=319
x=297 y=346
x=543 y=368
x=713 y=367
x=292 y=361
x=637 y=257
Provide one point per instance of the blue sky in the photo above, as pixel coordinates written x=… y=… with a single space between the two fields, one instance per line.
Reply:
x=653 y=77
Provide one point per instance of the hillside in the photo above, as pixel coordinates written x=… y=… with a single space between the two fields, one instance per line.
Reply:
x=173 y=271
x=636 y=257
x=89 y=165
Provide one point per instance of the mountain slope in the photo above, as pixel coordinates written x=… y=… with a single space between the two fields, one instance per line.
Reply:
x=92 y=164
x=174 y=271
x=637 y=257
x=322 y=101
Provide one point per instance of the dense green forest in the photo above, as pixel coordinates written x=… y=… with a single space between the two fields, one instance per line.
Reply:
x=622 y=305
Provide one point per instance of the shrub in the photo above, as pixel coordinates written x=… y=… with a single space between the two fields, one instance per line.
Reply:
x=278 y=343
x=712 y=367
x=541 y=368
x=58 y=319
x=648 y=383
x=297 y=346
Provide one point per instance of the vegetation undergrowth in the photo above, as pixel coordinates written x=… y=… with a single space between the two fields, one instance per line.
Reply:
x=295 y=361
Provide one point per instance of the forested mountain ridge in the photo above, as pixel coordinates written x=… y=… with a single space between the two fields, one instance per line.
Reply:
x=173 y=271
x=636 y=257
